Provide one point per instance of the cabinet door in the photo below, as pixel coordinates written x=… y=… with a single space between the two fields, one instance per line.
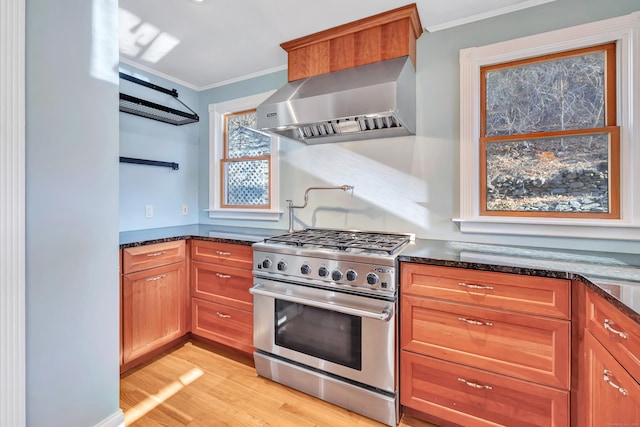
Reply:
x=153 y=309
x=613 y=395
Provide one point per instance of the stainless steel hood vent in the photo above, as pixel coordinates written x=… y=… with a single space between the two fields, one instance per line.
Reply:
x=371 y=101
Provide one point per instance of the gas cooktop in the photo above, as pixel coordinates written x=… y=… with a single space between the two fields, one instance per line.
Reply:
x=343 y=240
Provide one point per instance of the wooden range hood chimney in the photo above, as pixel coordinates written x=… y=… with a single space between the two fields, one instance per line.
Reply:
x=388 y=35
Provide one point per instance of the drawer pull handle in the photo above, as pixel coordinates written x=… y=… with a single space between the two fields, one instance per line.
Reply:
x=157 y=253
x=224 y=316
x=607 y=325
x=475 y=385
x=153 y=279
x=483 y=287
x=608 y=379
x=475 y=322
x=223 y=276
x=223 y=253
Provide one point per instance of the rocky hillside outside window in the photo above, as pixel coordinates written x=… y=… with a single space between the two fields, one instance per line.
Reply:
x=549 y=142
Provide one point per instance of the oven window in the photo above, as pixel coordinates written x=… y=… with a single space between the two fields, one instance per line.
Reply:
x=325 y=334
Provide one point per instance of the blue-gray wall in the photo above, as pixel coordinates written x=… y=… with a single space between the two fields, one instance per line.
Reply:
x=163 y=188
x=72 y=292
x=408 y=184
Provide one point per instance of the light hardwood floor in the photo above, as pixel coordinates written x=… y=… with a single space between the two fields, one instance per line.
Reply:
x=196 y=384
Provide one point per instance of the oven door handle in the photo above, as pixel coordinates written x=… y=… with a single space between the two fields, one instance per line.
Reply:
x=385 y=315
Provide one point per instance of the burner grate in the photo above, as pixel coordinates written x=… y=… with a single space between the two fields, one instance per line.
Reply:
x=343 y=240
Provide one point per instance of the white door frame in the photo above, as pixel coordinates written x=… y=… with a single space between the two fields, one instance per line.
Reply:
x=12 y=213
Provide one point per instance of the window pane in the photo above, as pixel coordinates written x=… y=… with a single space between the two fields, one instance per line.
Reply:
x=242 y=138
x=247 y=183
x=562 y=94
x=569 y=174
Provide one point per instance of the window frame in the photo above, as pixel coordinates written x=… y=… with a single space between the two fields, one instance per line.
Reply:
x=217 y=154
x=621 y=30
x=226 y=159
x=610 y=128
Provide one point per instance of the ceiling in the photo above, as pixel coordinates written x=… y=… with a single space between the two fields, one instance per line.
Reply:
x=216 y=42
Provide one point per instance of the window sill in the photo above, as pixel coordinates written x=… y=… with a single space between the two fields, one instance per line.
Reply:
x=245 y=214
x=551 y=228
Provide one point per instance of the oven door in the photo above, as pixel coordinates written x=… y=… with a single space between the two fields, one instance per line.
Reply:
x=343 y=334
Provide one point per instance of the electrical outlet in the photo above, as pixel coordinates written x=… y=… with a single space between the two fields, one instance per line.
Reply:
x=185 y=209
x=148 y=211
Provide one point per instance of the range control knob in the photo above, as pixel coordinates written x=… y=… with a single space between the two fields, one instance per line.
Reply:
x=266 y=263
x=351 y=275
x=305 y=269
x=282 y=266
x=336 y=275
x=323 y=272
x=372 y=278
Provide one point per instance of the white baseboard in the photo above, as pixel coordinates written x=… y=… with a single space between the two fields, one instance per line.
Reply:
x=114 y=420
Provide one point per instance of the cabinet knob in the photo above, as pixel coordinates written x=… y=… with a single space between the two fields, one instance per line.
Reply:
x=153 y=279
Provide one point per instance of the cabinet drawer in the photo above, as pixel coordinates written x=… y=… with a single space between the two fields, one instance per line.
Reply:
x=223 y=324
x=619 y=334
x=527 y=294
x=613 y=396
x=144 y=257
x=526 y=347
x=221 y=284
x=472 y=397
x=228 y=254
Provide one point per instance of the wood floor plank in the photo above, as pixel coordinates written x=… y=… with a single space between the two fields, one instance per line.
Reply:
x=199 y=385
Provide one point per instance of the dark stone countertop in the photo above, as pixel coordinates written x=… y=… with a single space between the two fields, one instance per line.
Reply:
x=614 y=276
x=239 y=235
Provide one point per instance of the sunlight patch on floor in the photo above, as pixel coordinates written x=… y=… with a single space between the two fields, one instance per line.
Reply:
x=153 y=400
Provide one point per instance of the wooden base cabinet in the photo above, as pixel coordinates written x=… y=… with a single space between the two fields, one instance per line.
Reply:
x=221 y=305
x=154 y=298
x=484 y=348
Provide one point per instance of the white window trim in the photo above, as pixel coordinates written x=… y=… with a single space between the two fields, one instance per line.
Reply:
x=216 y=147
x=624 y=30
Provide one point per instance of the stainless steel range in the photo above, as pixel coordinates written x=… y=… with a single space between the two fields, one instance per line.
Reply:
x=325 y=304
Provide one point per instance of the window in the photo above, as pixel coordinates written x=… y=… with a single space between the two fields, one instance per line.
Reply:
x=549 y=144
x=546 y=134
x=243 y=163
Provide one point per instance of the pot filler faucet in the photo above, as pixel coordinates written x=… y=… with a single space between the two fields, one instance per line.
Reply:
x=306 y=199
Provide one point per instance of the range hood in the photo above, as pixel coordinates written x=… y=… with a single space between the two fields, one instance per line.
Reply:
x=375 y=100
